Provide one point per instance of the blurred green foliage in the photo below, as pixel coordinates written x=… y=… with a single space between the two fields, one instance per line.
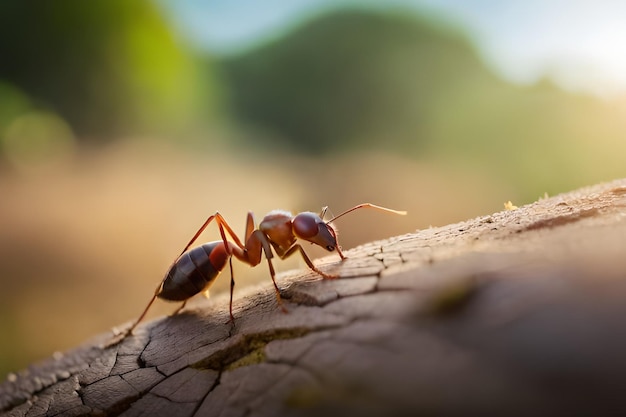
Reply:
x=353 y=79
x=108 y=67
x=393 y=81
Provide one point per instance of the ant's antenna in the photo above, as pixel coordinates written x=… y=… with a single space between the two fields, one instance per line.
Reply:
x=367 y=205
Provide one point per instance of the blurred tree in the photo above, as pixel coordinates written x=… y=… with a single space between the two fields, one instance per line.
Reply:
x=109 y=67
x=352 y=78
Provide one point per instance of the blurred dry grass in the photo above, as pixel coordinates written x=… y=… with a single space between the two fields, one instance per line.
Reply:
x=84 y=242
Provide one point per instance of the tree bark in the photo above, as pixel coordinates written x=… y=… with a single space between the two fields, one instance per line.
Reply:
x=516 y=313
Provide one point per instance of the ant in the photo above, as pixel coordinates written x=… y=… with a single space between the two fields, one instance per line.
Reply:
x=193 y=271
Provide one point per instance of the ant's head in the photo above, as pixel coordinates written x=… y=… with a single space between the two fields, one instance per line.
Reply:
x=310 y=227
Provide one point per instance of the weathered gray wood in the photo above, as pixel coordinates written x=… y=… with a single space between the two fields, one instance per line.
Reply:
x=517 y=313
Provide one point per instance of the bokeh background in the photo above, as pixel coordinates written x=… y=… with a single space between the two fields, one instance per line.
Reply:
x=124 y=124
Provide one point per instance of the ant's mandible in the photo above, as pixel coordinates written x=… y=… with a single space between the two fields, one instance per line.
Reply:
x=195 y=270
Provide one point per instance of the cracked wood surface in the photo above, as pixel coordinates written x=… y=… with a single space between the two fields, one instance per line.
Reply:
x=515 y=313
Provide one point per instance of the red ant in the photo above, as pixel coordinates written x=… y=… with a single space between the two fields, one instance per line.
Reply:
x=195 y=270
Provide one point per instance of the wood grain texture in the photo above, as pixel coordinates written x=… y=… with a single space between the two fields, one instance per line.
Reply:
x=517 y=313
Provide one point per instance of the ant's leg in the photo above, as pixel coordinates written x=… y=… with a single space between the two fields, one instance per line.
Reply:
x=226 y=243
x=256 y=244
x=223 y=223
x=265 y=244
x=145 y=311
x=308 y=261
x=279 y=299
x=232 y=288
x=199 y=232
x=250 y=226
x=179 y=309
x=230 y=250
x=158 y=290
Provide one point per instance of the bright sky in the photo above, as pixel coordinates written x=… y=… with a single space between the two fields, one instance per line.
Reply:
x=581 y=44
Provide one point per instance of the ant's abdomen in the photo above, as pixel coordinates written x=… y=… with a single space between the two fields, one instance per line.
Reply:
x=194 y=271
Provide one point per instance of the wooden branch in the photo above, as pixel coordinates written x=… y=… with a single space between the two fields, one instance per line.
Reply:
x=516 y=313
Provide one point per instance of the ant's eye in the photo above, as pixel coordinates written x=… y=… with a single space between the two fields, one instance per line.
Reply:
x=305 y=225
x=330 y=248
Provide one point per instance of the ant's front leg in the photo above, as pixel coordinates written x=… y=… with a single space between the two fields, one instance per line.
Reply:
x=308 y=261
